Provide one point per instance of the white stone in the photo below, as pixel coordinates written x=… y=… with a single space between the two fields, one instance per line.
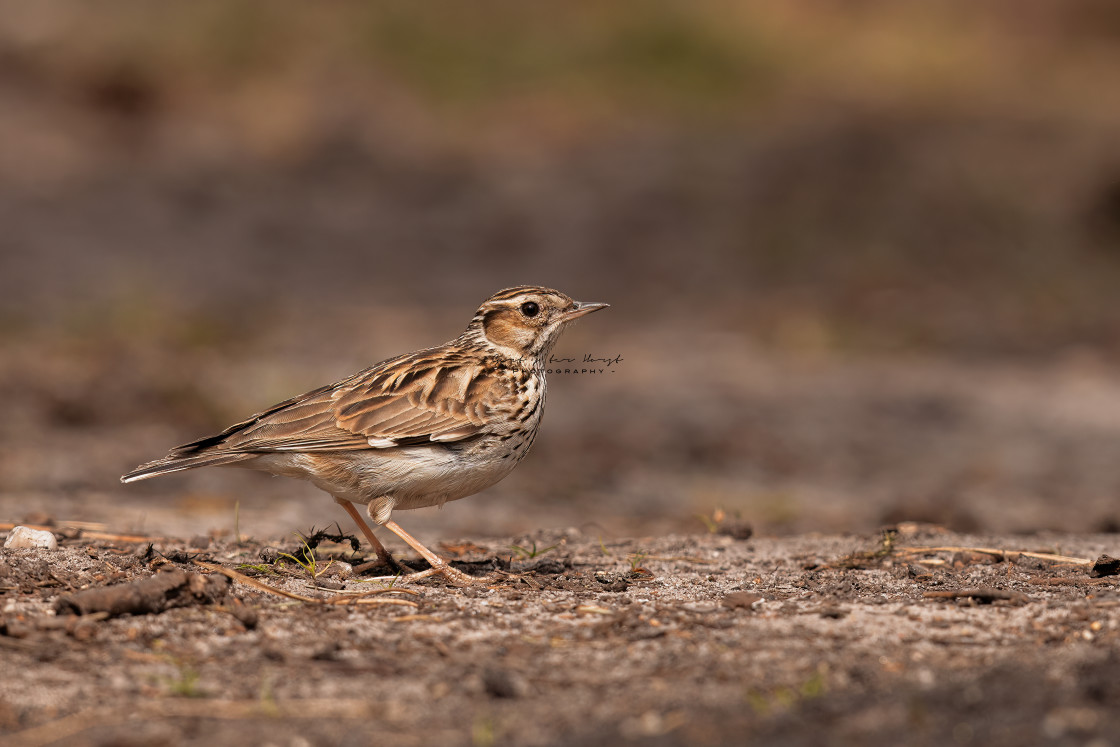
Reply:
x=24 y=538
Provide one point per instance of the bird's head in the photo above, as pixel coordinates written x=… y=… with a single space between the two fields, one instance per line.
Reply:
x=526 y=321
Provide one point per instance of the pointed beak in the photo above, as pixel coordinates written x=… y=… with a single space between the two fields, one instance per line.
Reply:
x=582 y=308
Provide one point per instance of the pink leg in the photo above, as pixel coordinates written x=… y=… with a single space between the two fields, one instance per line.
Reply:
x=439 y=565
x=382 y=554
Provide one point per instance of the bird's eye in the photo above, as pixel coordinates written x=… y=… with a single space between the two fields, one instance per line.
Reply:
x=530 y=309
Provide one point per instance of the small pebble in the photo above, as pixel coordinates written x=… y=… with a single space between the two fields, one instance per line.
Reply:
x=917 y=571
x=740 y=600
x=1106 y=565
x=739 y=530
x=337 y=570
x=23 y=538
x=269 y=554
x=501 y=683
x=699 y=607
x=245 y=614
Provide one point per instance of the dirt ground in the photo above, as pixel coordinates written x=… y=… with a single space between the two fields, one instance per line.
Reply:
x=704 y=638
x=642 y=613
x=862 y=261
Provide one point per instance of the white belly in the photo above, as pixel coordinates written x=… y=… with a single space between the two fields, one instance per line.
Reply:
x=413 y=476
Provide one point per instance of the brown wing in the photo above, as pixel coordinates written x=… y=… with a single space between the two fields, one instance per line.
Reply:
x=437 y=402
x=413 y=399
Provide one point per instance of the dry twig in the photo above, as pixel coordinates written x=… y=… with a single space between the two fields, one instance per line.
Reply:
x=984 y=596
x=1009 y=555
x=363 y=598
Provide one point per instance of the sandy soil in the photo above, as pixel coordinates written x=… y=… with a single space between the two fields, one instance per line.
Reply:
x=844 y=296
x=636 y=625
x=685 y=639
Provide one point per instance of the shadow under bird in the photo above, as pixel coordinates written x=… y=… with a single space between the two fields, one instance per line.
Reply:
x=417 y=430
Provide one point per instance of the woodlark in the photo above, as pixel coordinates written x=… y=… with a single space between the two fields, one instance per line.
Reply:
x=413 y=431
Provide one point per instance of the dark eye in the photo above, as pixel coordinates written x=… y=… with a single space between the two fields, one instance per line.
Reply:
x=530 y=309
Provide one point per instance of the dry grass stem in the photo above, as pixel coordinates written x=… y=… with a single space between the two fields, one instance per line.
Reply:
x=360 y=598
x=1003 y=554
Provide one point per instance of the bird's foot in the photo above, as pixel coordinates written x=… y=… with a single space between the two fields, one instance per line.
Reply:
x=384 y=564
x=454 y=576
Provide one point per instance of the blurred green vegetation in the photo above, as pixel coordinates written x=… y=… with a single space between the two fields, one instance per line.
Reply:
x=668 y=56
x=663 y=57
x=822 y=174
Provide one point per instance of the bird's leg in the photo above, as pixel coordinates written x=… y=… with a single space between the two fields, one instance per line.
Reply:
x=383 y=555
x=439 y=565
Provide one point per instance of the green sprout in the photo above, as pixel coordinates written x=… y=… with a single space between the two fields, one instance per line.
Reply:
x=636 y=559
x=530 y=554
x=185 y=683
x=712 y=522
x=309 y=563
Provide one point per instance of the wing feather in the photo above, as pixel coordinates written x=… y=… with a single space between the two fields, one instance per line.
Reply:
x=408 y=400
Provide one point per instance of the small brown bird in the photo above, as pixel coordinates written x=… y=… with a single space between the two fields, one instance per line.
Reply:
x=413 y=431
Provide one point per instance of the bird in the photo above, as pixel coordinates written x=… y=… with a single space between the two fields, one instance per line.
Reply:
x=417 y=430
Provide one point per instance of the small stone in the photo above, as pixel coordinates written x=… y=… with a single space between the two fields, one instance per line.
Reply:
x=269 y=554
x=741 y=600
x=739 y=530
x=917 y=571
x=245 y=614
x=701 y=608
x=501 y=683
x=328 y=651
x=15 y=628
x=1106 y=565
x=23 y=538
x=615 y=582
x=337 y=570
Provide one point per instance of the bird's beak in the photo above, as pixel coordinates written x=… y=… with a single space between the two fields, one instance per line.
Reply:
x=583 y=308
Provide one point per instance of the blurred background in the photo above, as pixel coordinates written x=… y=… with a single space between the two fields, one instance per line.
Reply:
x=863 y=257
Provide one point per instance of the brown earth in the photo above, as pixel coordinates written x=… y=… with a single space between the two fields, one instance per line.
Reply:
x=682 y=639
x=636 y=625
x=862 y=260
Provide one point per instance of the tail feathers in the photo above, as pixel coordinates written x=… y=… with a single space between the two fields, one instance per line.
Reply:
x=179 y=463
